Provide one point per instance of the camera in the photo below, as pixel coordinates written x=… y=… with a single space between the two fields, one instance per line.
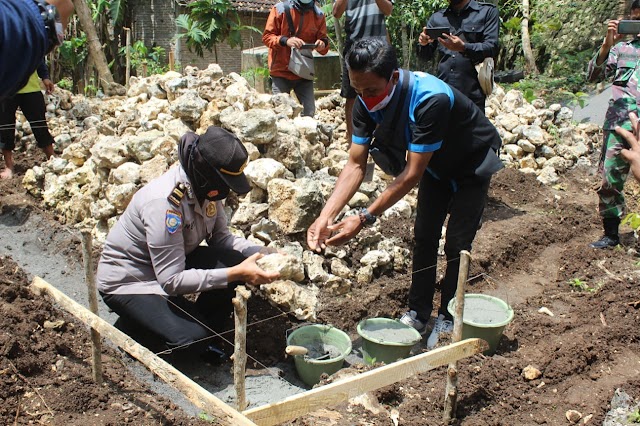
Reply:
x=52 y=24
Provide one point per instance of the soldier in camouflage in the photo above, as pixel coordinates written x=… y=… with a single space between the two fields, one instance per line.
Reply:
x=619 y=59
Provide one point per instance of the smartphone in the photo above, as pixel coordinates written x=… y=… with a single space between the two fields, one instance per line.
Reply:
x=629 y=27
x=308 y=46
x=436 y=32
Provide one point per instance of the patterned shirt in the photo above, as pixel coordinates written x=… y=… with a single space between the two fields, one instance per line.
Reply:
x=622 y=64
x=363 y=18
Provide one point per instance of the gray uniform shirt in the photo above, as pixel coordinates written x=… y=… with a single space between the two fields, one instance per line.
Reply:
x=145 y=252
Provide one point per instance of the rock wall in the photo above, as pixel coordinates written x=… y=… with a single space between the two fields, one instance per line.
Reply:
x=111 y=147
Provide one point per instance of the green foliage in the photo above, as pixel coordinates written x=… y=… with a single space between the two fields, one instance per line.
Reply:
x=206 y=417
x=140 y=56
x=113 y=8
x=252 y=75
x=580 y=285
x=210 y=22
x=74 y=51
x=634 y=417
x=633 y=220
x=65 y=83
x=91 y=89
x=528 y=95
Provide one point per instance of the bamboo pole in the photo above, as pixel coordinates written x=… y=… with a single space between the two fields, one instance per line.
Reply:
x=199 y=396
x=451 y=391
x=96 y=342
x=172 y=60
x=240 y=346
x=345 y=389
x=128 y=50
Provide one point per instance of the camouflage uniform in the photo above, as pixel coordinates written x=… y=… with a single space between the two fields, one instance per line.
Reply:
x=622 y=64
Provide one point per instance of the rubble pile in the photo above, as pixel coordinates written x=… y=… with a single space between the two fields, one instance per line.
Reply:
x=110 y=147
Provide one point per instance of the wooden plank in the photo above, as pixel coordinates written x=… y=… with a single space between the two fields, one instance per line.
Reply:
x=345 y=389
x=199 y=396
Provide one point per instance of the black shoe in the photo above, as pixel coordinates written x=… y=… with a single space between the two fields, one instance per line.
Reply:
x=213 y=355
x=605 y=242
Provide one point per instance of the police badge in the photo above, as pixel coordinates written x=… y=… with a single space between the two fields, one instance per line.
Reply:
x=173 y=220
x=211 y=209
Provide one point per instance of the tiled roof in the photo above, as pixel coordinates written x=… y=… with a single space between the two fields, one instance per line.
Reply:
x=259 y=6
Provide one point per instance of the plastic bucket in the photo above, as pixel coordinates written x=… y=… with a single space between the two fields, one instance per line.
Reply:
x=325 y=342
x=484 y=317
x=386 y=340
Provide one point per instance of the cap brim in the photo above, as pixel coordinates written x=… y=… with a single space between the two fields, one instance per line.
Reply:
x=238 y=184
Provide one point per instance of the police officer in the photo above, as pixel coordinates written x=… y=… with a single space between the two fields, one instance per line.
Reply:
x=473 y=36
x=152 y=256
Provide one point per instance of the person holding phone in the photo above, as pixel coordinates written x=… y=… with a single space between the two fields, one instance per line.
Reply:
x=294 y=24
x=467 y=33
x=617 y=59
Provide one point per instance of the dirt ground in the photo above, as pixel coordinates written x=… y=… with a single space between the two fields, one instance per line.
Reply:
x=531 y=251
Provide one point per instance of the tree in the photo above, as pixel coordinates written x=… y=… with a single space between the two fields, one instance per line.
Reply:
x=95 y=48
x=208 y=23
x=530 y=60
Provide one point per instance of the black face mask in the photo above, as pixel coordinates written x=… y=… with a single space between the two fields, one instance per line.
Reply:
x=210 y=188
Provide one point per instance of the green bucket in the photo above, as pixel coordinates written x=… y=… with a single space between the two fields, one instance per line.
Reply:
x=322 y=341
x=386 y=340
x=484 y=317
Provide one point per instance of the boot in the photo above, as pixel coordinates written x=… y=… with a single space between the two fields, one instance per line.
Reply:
x=610 y=238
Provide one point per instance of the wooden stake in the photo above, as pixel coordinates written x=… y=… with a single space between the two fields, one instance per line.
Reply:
x=451 y=392
x=199 y=396
x=172 y=60
x=144 y=70
x=240 y=347
x=96 y=342
x=350 y=387
x=128 y=50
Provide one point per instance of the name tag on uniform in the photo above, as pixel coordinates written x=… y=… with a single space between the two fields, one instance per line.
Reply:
x=173 y=220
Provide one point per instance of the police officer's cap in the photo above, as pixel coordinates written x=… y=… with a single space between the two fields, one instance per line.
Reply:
x=224 y=152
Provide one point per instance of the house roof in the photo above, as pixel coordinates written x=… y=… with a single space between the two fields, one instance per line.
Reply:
x=258 y=6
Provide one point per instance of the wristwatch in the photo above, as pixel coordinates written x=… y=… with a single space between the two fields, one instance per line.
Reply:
x=52 y=24
x=366 y=218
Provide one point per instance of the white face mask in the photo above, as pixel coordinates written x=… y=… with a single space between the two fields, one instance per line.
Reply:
x=306 y=1
x=383 y=103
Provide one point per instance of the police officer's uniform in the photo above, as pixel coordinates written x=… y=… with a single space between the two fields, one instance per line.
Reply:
x=145 y=263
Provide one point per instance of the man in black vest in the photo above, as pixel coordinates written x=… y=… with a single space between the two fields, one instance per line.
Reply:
x=474 y=29
x=421 y=130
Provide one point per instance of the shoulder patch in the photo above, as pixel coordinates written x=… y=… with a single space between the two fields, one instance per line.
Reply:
x=176 y=194
x=173 y=221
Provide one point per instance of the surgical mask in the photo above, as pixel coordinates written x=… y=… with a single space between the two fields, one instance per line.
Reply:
x=376 y=103
x=306 y=1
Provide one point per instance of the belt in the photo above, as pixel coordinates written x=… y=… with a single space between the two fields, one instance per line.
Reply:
x=52 y=24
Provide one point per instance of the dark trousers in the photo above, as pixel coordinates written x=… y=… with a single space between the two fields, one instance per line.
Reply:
x=161 y=322
x=33 y=108
x=464 y=205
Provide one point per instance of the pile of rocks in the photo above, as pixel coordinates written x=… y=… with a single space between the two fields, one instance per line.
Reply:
x=110 y=147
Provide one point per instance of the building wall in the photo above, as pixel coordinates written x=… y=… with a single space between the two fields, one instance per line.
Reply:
x=153 y=21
